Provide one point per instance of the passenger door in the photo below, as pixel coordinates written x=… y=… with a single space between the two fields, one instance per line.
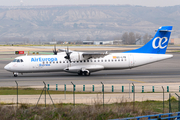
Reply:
x=131 y=60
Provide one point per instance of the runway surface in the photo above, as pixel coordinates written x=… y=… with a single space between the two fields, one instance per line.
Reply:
x=167 y=71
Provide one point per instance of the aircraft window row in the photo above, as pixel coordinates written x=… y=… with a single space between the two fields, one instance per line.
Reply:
x=17 y=60
x=100 y=60
x=109 y=60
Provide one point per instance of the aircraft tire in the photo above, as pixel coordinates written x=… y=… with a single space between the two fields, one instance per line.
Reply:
x=87 y=73
x=15 y=75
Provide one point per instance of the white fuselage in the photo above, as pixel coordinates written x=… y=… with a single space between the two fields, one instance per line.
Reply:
x=57 y=63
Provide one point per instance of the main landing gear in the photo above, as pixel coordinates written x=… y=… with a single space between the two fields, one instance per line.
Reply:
x=85 y=73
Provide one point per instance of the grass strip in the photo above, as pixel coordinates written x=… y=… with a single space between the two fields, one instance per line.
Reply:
x=33 y=91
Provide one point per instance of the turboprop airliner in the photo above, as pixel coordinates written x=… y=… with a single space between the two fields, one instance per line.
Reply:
x=83 y=63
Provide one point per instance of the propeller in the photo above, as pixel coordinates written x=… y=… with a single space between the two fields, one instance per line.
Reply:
x=68 y=55
x=55 y=51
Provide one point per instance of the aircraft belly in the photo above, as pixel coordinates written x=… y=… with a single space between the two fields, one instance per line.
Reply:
x=77 y=68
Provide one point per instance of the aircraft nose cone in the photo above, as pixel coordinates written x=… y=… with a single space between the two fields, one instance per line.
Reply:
x=6 y=67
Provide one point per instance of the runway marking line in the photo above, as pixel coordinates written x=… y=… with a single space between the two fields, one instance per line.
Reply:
x=136 y=80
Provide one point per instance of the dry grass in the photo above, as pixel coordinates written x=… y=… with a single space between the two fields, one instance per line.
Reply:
x=70 y=112
x=121 y=109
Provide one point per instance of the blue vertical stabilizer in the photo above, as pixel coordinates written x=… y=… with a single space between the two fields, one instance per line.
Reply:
x=158 y=44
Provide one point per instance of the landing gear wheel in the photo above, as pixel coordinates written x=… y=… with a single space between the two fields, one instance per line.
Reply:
x=15 y=74
x=87 y=73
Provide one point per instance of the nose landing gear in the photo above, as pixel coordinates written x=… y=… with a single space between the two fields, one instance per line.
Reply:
x=15 y=74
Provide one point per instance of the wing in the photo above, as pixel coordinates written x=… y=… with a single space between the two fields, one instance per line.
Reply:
x=77 y=56
x=64 y=50
x=93 y=55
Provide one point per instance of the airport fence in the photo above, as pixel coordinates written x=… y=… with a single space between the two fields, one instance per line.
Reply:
x=167 y=98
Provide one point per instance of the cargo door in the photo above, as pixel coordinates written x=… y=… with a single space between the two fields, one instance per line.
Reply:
x=131 y=60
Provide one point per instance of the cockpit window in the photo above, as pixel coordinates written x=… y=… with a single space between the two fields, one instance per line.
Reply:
x=17 y=60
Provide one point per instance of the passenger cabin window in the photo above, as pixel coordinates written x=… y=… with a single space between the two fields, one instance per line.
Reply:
x=87 y=60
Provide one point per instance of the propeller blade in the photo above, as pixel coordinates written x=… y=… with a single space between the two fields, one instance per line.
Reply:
x=55 y=51
x=68 y=54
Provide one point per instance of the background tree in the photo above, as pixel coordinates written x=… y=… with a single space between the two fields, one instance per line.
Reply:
x=125 y=38
x=138 y=38
x=145 y=38
x=128 y=38
x=132 y=39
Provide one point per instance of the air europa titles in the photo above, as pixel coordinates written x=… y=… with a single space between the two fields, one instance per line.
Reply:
x=39 y=59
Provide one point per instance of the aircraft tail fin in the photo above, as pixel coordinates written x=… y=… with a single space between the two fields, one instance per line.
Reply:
x=158 y=44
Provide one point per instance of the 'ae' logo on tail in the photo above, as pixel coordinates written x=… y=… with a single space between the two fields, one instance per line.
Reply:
x=160 y=44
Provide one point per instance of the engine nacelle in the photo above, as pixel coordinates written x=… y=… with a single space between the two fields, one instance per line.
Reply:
x=76 y=56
